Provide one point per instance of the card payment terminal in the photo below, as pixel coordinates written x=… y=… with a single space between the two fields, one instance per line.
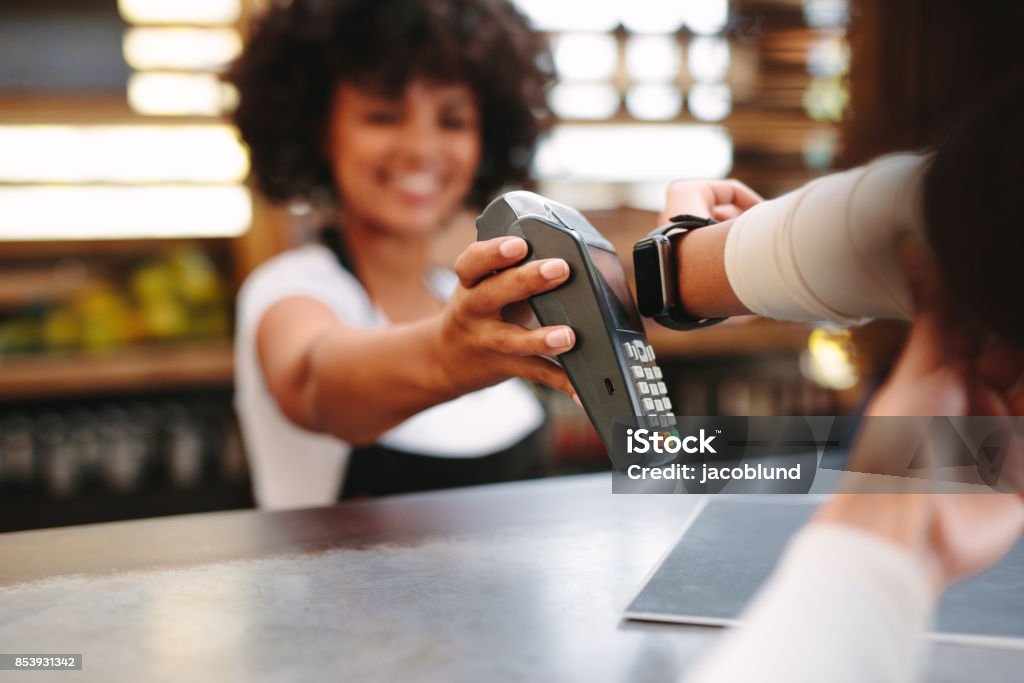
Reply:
x=612 y=367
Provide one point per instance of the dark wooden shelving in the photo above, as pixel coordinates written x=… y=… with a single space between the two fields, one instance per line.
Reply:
x=144 y=369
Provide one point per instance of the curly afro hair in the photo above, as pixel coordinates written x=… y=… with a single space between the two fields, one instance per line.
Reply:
x=298 y=51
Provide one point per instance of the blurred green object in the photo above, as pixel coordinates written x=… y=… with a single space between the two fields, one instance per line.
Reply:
x=196 y=277
x=181 y=297
x=61 y=329
x=163 y=316
x=177 y=296
x=106 y=319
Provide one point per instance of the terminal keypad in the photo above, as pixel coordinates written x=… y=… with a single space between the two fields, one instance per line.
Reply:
x=648 y=378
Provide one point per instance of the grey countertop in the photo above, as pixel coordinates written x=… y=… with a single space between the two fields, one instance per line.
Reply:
x=512 y=582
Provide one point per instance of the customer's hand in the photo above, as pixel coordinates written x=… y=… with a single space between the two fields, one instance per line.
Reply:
x=950 y=364
x=718 y=199
x=949 y=367
x=476 y=347
x=704 y=289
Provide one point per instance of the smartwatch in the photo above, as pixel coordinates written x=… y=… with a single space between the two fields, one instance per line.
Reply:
x=657 y=280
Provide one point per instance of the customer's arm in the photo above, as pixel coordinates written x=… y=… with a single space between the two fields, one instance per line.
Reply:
x=824 y=252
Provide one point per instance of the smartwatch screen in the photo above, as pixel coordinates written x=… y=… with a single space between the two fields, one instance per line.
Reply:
x=652 y=298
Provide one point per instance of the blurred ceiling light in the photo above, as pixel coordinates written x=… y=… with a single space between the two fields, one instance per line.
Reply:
x=121 y=154
x=652 y=58
x=828 y=57
x=62 y=212
x=707 y=58
x=181 y=48
x=654 y=102
x=586 y=56
x=584 y=101
x=652 y=16
x=649 y=196
x=584 y=196
x=826 y=13
x=180 y=11
x=706 y=17
x=829 y=359
x=634 y=153
x=709 y=101
x=570 y=15
x=176 y=94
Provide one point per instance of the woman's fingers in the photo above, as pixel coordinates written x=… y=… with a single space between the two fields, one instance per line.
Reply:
x=480 y=259
x=489 y=296
x=541 y=371
x=511 y=339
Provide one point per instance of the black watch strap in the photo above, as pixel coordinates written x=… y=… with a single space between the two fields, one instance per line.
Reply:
x=675 y=317
x=685 y=221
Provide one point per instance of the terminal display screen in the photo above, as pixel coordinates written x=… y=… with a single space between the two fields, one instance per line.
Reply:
x=616 y=289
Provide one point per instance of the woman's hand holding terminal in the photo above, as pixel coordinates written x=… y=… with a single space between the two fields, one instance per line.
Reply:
x=477 y=347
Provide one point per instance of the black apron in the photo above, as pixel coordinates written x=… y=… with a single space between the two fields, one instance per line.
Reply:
x=379 y=471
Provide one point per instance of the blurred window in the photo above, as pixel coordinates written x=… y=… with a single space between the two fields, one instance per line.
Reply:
x=168 y=167
x=765 y=78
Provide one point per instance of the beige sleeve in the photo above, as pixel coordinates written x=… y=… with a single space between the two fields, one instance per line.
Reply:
x=828 y=250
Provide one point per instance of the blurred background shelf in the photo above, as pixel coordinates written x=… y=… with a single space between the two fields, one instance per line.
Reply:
x=24 y=286
x=143 y=369
x=15 y=251
x=742 y=337
x=211 y=364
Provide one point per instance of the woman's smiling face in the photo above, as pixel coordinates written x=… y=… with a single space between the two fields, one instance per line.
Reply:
x=404 y=163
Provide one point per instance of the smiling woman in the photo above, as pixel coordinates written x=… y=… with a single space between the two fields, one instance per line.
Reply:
x=404 y=162
x=297 y=56
x=356 y=360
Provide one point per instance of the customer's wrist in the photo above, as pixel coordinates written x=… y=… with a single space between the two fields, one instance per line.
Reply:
x=703 y=285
